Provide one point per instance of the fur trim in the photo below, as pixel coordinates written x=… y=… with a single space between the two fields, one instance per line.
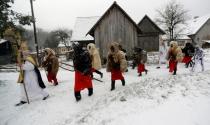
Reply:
x=116 y=56
x=95 y=57
x=175 y=51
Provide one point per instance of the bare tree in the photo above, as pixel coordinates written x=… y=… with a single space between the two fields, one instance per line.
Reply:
x=58 y=36
x=64 y=35
x=172 y=17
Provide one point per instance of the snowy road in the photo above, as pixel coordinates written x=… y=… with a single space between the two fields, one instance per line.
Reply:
x=154 y=99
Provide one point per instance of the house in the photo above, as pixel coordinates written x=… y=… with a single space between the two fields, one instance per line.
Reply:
x=62 y=49
x=115 y=25
x=6 y=53
x=81 y=27
x=198 y=29
x=181 y=39
x=149 y=38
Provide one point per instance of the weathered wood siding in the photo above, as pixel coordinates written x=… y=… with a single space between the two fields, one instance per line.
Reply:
x=115 y=27
x=149 y=43
x=149 y=40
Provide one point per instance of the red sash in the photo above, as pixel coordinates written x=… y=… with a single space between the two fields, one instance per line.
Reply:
x=82 y=81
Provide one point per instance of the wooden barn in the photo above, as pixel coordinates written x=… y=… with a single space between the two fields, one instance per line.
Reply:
x=149 y=38
x=5 y=52
x=115 y=25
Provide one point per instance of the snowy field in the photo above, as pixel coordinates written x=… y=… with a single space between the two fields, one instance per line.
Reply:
x=157 y=98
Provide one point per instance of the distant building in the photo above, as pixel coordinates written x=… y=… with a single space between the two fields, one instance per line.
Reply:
x=62 y=49
x=81 y=27
x=181 y=39
x=149 y=38
x=199 y=29
x=196 y=30
x=115 y=25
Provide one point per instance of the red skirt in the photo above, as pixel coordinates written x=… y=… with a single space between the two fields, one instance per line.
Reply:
x=82 y=81
x=51 y=77
x=172 y=65
x=141 y=68
x=187 y=59
x=116 y=75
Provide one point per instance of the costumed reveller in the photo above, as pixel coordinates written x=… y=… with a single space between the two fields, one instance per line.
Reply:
x=116 y=64
x=141 y=58
x=30 y=77
x=82 y=67
x=188 y=52
x=198 y=58
x=162 y=52
x=95 y=59
x=174 y=56
x=51 y=64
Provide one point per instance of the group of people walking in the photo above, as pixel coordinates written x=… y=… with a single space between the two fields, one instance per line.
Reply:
x=87 y=61
x=190 y=55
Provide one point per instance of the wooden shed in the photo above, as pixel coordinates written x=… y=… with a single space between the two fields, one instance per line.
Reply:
x=5 y=52
x=149 y=38
x=115 y=25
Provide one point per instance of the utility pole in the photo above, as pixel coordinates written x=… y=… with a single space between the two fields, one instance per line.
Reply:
x=35 y=34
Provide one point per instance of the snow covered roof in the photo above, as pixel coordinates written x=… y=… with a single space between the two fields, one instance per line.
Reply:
x=194 y=25
x=2 y=41
x=61 y=45
x=207 y=41
x=82 y=26
x=179 y=37
x=69 y=43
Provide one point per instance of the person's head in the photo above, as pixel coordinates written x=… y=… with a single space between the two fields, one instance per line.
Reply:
x=91 y=47
x=25 y=53
x=114 y=47
x=77 y=47
x=49 y=52
x=173 y=44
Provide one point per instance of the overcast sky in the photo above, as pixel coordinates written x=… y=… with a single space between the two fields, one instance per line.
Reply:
x=52 y=14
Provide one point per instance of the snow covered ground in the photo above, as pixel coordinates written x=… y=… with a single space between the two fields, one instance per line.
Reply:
x=157 y=98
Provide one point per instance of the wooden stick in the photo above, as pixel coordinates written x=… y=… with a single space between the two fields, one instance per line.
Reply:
x=67 y=64
x=66 y=69
x=25 y=87
x=73 y=71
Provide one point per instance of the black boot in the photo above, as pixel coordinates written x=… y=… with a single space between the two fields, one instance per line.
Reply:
x=146 y=71
x=20 y=103
x=77 y=96
x=174 y=71
x=123 y=82
x=140 y=74
x=186 y=65
x=113 y=85
x=45 y=97
x=90 y=91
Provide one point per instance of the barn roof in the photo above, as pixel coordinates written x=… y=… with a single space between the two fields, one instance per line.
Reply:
x=194 y=25
x=91 y=31
x=153 y=23
x=82 y=26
